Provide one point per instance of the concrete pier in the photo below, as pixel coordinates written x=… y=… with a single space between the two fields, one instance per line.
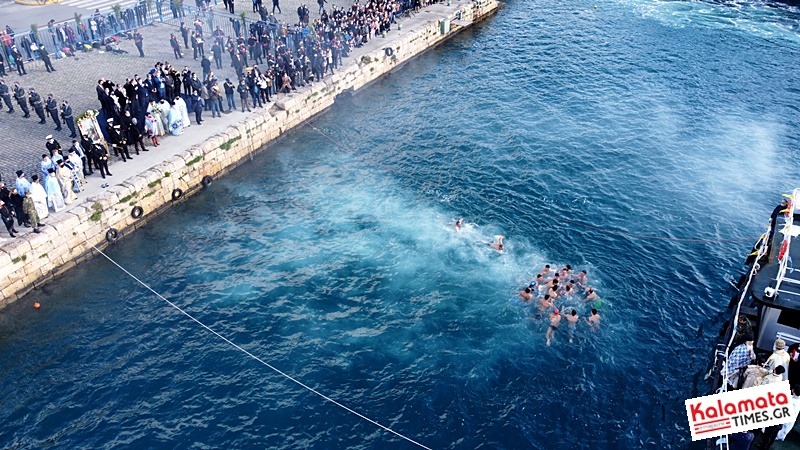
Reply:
x=210 y=151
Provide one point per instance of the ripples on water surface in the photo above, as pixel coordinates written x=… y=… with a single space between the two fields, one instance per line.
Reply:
x=673 y=119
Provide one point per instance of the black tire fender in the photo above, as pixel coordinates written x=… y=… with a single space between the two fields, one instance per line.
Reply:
x=388 y=51
x=112 y=235
x=137 y=212
x=177 y=193
x=207 y=180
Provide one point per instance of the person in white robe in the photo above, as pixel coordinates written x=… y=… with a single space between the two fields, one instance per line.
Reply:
x=39 y=198
x=184 y=111
x=155 y=111
x=175 y=120
x=163 y=106
x=55 y=199
x=64 y=175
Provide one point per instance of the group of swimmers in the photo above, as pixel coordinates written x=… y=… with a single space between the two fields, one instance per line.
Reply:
x=551 y=286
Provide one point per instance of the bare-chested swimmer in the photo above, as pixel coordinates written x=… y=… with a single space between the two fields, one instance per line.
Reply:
x=499 y=244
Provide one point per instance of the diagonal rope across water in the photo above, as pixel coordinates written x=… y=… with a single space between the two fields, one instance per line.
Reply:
x=273 y=368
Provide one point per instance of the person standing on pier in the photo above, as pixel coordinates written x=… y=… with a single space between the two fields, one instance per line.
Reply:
x=19 y=96
x=137 y=39
x=6 y=96
x=66 y=116
x=36 y=102
x=52 y=109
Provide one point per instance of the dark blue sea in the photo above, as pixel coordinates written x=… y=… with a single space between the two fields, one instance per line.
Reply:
x=643 y=141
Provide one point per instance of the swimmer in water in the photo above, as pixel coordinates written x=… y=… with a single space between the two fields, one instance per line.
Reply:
x=555 y=319
x=583 y=281
x=526 y=295
x=592 y=295
x=459 y=222
x=544 y=304
x=536 y=283
x=594 y=319
x=546 y=271
x=572 y=324
x=553 y=292
x=553 y=281
x=499 y=244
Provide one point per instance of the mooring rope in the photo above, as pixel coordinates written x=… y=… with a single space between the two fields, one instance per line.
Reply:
x=285 y=375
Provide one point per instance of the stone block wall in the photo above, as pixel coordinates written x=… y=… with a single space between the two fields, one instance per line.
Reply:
x=36 y=259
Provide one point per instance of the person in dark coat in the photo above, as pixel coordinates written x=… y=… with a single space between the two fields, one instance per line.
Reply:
x=135 y=136
x=36 y=102
x=198 y=103
x=18 y=60
x=52 y=110
x=5 y=94
x=8 y=218
x=118 y=141
x=46 y=58
x=16 y=202
x=19 y=96
x=137 y=39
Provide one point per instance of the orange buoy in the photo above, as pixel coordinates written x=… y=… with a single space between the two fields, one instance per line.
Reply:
x=36 y=305
x=783 y=250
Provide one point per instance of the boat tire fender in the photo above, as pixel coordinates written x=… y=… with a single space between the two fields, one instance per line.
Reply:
x=112 y=235
x=388 y=51
x=177 y=193
x=137 y=212
x=207 y=180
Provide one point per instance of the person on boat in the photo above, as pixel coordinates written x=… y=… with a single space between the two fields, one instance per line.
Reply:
x=738 y=360
x=546 y=271
x=794 y=363
x=787 y=427
x=742 y=329
x=771 y=433
x=572 y=324
x=459 y=222
x=526 y=295
x=499 y=244
x=779 y=358
x=594 y=319
x=592 y=295
x=555 y=320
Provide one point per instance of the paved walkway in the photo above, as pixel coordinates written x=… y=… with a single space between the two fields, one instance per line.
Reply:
x=75 y=80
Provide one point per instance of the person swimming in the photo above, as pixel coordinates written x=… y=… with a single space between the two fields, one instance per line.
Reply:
x=594 y=319
x=526 y=295
x=459 y=222
x=592 y=295
x=555 y=319
x=572 y=324
x=499 y=244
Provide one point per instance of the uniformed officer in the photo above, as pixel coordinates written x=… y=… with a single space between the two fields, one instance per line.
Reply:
x=19 y=96
x=137 y=39
x=52 y=109
x=118 y=141
x=6 y=96
x=36 y=102
x=66 y=116
x=101 y=155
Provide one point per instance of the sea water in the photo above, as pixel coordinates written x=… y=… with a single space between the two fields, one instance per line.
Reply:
x=645 y=142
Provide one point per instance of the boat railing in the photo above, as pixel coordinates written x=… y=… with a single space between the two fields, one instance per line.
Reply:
x=724 y=349
x=783 y=254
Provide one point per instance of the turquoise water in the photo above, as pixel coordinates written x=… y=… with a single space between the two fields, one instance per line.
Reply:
x=578 y=133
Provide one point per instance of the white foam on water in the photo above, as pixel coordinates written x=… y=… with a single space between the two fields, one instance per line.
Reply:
x=758 y=19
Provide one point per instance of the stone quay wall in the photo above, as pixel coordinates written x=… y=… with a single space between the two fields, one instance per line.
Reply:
x=36 y=259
